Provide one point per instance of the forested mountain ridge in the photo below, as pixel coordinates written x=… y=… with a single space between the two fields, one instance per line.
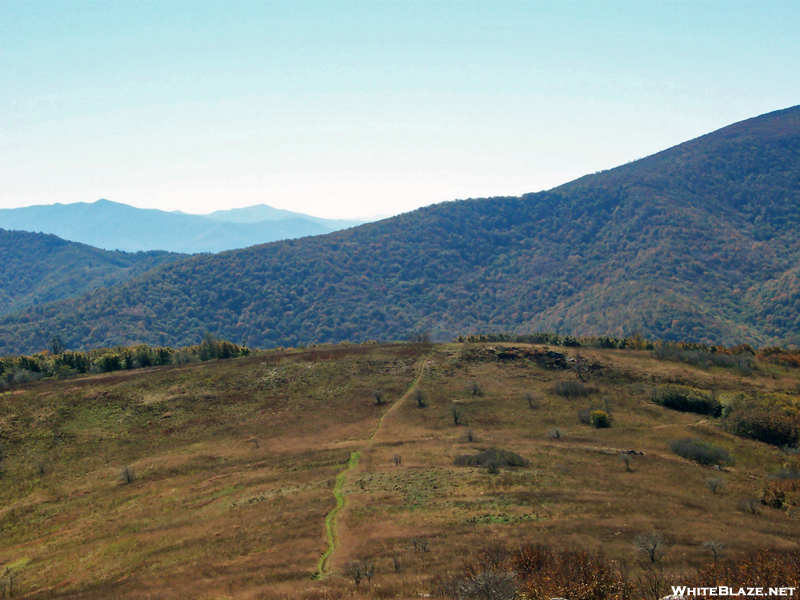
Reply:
x=36 y=268
x=699 y=242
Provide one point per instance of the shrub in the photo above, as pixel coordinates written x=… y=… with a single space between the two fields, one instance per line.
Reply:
x=750 y=505
x=783 y=493
x=496 y=585
x=769 y=567
x=587 y=417
x=571 y=389
x=739 y=358
x=763 y=423
x=715 y=484
x=600 y=419
x=687 y=400
x=474 y=389
x=574 y=574
x=126 y=475
x=702 y=452
x=24 y=376
x=492 y=456
x=651 y=545
x=456 y=413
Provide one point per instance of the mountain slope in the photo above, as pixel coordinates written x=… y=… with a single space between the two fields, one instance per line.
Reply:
x=37 y=268
x=699 y=242
x=115 y=226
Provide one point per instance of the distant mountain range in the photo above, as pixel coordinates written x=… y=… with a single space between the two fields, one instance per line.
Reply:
x=115 y=226
x=700 y=242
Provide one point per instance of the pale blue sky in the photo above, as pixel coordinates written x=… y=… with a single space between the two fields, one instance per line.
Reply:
x=349 y=109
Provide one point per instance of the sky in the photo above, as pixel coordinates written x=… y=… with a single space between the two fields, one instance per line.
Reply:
x=356 y=109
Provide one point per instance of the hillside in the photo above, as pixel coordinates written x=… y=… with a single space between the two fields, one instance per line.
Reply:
x=37 y=268
x=116 y=226
x=220 y=480
x=700 y=242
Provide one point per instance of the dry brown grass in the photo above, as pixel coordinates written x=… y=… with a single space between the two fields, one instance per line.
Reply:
x=235 y=465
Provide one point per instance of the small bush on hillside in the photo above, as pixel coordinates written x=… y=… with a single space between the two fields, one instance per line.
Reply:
x=24 y=376
x=702 y=452
x=651 y=545
x=600 y=419
x=782 y=493
x=685 y=399
x=126 y=475
x=571 y=389
x=750 y=505
x=715 y=484
x=769 y=567
x=489 y=584
x=492 y=456
x=763 y=423
x=474 y=389
x=585 y=415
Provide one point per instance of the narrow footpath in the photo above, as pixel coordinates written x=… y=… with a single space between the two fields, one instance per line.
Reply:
x=331 y=528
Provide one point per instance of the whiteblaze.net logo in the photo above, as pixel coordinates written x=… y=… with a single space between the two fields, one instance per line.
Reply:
x=682 y=591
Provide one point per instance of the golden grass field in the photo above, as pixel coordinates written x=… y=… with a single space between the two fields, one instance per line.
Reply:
x=235 y=466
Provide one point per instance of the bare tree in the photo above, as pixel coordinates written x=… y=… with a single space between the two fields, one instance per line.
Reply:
x=715 y=484
x=474 y=389
x=529 y=398
x=626 y=459
x=10 y=578
x=126 y=475
x=652 y=582
x=398 y=460
x=419 y=395
x=491 y=585
x=355 y=572
x=368 y=568
x=422 y=337
x=554 y=433
x=715 y=547
x=378 y=395
x=396 y=562
x=581 y=367
x=652 y=545
x=456 y=414
x=470 y=436
x=420 y=547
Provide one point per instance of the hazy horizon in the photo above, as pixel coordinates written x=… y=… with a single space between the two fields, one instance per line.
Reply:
x=351 y=110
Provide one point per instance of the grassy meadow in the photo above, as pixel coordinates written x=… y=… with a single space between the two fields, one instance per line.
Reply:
x=269 y=476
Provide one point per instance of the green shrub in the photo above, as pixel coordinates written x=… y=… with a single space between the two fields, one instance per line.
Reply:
x=702 y=452
x=685 y=399
x=601 y=419
x=766 y=424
